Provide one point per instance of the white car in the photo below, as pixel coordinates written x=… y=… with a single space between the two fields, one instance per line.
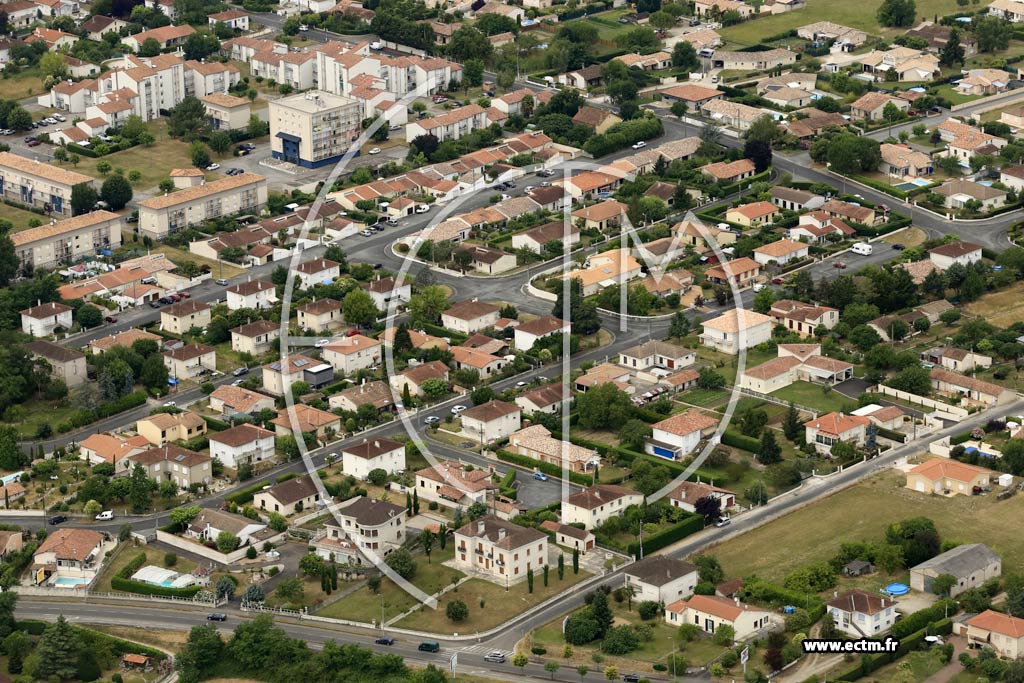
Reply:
x=529 y=189
x=458 y=410
x=303 y=27
x=366 y=233
x=375 y=150
x=321 y=343
x=505 y=196
x=639 y=145
x=423 y=208
x=520 y=385
x=213 y=167
x=760 y=287
x=170 y=404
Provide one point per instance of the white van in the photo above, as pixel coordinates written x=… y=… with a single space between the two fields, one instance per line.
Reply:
x=105 y=516
x=862 y=248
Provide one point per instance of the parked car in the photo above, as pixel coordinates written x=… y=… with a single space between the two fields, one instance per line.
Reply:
x=366 y=233
x=540 y=476
x=639 y=145
x=222 y=282
x=520 y=384
x=422 y=208
x=105 y=516
x=778 y=281
x=110 y=319
x=154 y=304
x=839 y=264
x=213 y=167
x=170 y=404
x=57 y=519
x=375 y=150
x=238 y=372
x=458 y=410
x=432 y=420
x=631 y=678
x=216 y=616
x=759 y=287
x=722 y=521
x=899 y=247
x=34 y=143
x=385 y=641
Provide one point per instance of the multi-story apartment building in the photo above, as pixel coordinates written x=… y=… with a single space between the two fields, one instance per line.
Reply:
x=450 y=126
x=208 y=78
x=314 y=128
x=66 y=241
x=38 y=184
x=243 y=193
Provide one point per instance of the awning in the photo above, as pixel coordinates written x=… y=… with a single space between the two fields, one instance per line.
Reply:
x=289 y=137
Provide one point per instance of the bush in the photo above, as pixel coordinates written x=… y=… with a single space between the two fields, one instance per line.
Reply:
x=170 y=559
x=134 y=565
x=744 y=443
x=538 y=650
x=250 y=552
x=128 y=586
x=676 y=532
x=648 y=609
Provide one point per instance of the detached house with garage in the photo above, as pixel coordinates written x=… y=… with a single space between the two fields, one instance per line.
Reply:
x=43 y=319
x=373 y=454
x=592 y=506
x=781 y=252
x=256 y=294
x=661 y=579
x=451 y=485
x=736 y=329
x=289 y=497
x=686 y=495
x=861 y=614
x=527 y=334
x=471 y=316
x=184 y=315
x=710 y=612
x=829 y=429
x=500 y=550
x=947 y=477
x=245 y=444
x=1001 y=632
x=677 y=436
x=491 y=421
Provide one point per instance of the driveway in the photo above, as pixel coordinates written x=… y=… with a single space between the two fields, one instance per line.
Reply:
x=853 y=387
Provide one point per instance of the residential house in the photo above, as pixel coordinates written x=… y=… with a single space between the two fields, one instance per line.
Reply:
x=500 y=550
x=68 y=553
x=190 y=361
x=871 y=106
x=600 y=120
x=983 y=82
x=66 y=364
x=757 y=60
x=900 y=161
x=906 y=63
x=655 y=61
x=792 y=199
x=289 y=497
x=709 y=612
x=964 y=253
x=990 y=629
x=803 y=318
x=754 y=214
x=231 y=401
x=938 y=37
x=109 y=448
x=352 y=353
x=316 y=271
x=795 y=362
x=677 y=436
x=852 y=213
x=693 y=233
x=255 y=338
x=527 y=334
x=956 y=360
x=279 y=375
x=170 y=463
x=971 y=391
x=592 y=506
x=947 y=477
x=657 y=354
x=319 y=315
x=661 y=579
x=548 y=398
x=971 y=564
x=487 y=260
x=966 y=141
x=842 y=37
x=570 y=537
x=604 y=269
x=255 y=294
x=732 y=114
x=1011 y=10
x=245 y=444
x=452 y=485
x=491 y=421
x=211 y=523
x=379 y=454
x=566 y=234
x=233 y=18
x=165 y=36
x=385 y=290
x=484 y=363
x=163 y=428
x=301 y=418
x=605 y=373
x=470 y=316
x=601 y=215
x=781 y=252
x=731 y=171
x=376 y=526
x=415 y=377
x=694 y=96
x=686 y=495
x=861 y=614
x=737 y=329
x=184 y=315
x=826 y=430
x=537 y=443
x=374 y=393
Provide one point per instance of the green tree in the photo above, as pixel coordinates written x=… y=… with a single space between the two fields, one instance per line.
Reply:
x=457 y=611
x=117 y=192
x=952 y=52
x=140 y=490
x=402 y=563
x=520 y=660
x=150 y=47
x=83 y=198
x=604 y=407
x=709 y=569
x=18 y=118
x=769 y=452
x=552 y=667
x=103 y=167
x=992 y=33
x=227 y=542
x=469 y=43
x=199 y=155
x=58 y=651
x=225 y=588
x=633 y=434
x=219 y=142
x=359 y=308
x=154 y=373
x=53 y=64
x=188 y=120
x=427 y=304
x=182 y=516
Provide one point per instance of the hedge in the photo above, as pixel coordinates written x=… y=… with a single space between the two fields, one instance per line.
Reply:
x=746 y=443
x=911 y=641
x=134 y=565
x=676 y=532
x=881 y=187
x=132 y=400
x=891 y=435
x=960 y=438
x=129 y=586
x=81 y=151
x=438 y=331
x=244 y=495
x=548 y=468
x=95 y=640
x=921 y=618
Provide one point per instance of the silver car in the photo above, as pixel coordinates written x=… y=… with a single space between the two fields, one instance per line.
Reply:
x=495 y=657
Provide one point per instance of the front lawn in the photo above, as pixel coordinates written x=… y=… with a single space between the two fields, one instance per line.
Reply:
x=126 y=552
x=813 y=396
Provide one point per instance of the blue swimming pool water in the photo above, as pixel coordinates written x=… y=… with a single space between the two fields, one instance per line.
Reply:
x=897 y=589
x=69 y=581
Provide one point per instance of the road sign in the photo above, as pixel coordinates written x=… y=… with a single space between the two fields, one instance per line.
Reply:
x=745 y=655
x=454 y=662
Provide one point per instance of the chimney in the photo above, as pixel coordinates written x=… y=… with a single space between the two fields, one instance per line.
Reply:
x=501 y=534
x=376 y=444
x=480 y=526
x=737 y=601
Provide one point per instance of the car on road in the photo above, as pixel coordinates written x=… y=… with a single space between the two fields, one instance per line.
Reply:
x=496 y=657
x=540 y=476
x=57 y=519
x=528 y=189
x=723 y=521
x=366 y=233
x=631 y=678
x=429 y=646
x=378 y=266
x=391 y=221
x=385 y=641
x=520 y=385
x=839 y=264
x=238 y=372
x=545 y=184
x=375 y=150
x=545 y=173
x=216 y=616
x=213 y=167
x=59 y=117
x=222 y=282
x=170 y=404
x=154 y=304
x=110 y=319
x=321 y=343
x=639 y=145
x=105 y=516
x=422 y=208
x=303 y=27
x=184 y=295
x=234 y=171
x=899 y=247
x=34 y=143
x=432 y=420
x=238 y=383
x=440 y=99
x=505 y=196
x=458 y=410
x=760 y=286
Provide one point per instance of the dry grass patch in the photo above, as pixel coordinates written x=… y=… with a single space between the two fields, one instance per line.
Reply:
x=1002 y=308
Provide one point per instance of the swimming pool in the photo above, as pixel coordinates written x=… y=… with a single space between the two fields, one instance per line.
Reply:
x=70 y=582
x=913 y=184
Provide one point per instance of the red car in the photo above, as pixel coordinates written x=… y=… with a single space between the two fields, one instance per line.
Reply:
x=33 y=143
x=174 y=297
x=110 y=319
x=184 y=295
x=839 y=264
x=778 y=281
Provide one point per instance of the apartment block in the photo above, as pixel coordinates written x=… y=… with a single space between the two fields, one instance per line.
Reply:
x=37 y=184
x=313 y=129
x=67 y=241
x=244 y=193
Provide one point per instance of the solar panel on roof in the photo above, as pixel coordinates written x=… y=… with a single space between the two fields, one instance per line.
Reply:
x=301 y=363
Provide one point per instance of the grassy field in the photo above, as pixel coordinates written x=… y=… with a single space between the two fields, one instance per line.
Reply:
x=154 y=556
x=1001 y=308
x=858 y=15
x=920 y=664
x=498 y=605
x=19 y=217
x=25 y=84
x=812 y=396
x=217 y=268
x=953 y=96
x=39 y=412
x=862 y=513
x=365 y=605
x=911 y=237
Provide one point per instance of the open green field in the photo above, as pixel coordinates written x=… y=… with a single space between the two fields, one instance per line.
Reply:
x=856 y=14
x=19 y=217
x=499 y=605
x=154 y=556
x=862 y=513
x=365 y=605
x=25 y=84
x=154 y=163
x=812 y=396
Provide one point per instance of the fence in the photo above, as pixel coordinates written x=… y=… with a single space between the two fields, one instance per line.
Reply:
x=778 y=401
x=210 y=553
x=997 y=101
x=955 y=413
x=85 y=594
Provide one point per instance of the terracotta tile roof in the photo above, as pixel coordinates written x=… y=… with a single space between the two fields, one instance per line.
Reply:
x=164 y=34
x=307 y=419
x=45 y=310
x=686 y=423
x=434 y=369
x=223 y=100
x=190 y=194
x=544 y=325
x=837 y=424
x=955 y=249
x=723 y=608
x=238 y=399
x=470 y=309
x=126 y=338
x=250 y=287
x=71 y=544
x=860 y=601
x=186 y=307
x=490 y=411
x=946 y=468
x=502 y=534
x=997 y=622
x=731 y=321
x=368 y=450
x=601 y=494
x=170 y=453
x=54 y=352
x=54 y=174
x=969 y=383
x=725 y=170
x=256 y=328
x=691 y=93
x=241 y=435
x=321 y=306
x=658 y=570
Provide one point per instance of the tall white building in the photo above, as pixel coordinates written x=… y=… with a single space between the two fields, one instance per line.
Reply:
x=314 y=128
